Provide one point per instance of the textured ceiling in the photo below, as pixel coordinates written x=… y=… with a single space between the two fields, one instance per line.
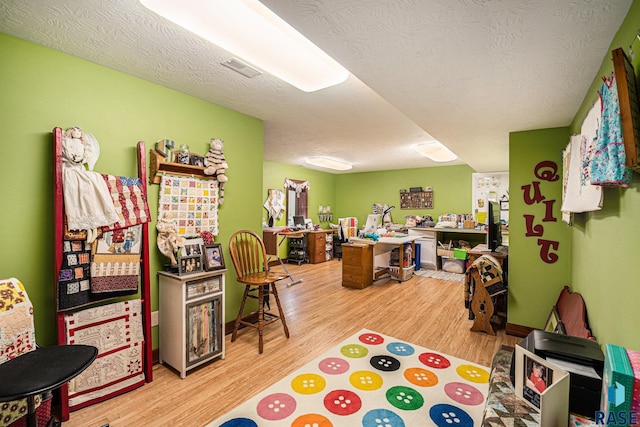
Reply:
x=466 y=72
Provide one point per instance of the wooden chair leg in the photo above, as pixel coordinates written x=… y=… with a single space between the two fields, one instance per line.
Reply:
x=234 y=335
x=280 y=311
x=260 y=317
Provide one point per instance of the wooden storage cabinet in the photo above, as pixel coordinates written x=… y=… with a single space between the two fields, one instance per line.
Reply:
x=320 y=246
x=191 y=319
x=357 y=265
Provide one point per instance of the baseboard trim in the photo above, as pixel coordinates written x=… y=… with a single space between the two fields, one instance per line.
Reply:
x=518 y=330
x=275 y=262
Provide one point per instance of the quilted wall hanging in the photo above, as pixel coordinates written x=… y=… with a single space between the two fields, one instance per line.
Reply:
x=116 y=330
x=193 y=203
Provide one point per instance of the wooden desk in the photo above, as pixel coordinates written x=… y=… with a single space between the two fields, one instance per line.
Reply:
x=380 y=254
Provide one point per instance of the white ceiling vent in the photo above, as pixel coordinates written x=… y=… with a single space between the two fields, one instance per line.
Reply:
x=241 y=67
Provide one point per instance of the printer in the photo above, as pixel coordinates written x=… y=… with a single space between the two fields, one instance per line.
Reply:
x=582 y=358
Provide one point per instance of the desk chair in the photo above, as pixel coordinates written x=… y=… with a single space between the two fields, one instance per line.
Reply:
x=250 y=262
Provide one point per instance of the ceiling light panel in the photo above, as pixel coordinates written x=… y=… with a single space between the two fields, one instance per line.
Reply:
x=435 y=151
x=253 y=32
x=325 y=162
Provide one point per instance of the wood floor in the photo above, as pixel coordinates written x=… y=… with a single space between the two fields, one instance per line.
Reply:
x=320 y=314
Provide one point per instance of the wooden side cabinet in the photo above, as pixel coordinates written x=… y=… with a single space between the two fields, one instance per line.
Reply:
x=320 y=246
x=357 y=265
x=191 y=319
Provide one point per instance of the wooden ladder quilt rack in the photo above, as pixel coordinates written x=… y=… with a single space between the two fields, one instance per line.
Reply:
x=145 y=291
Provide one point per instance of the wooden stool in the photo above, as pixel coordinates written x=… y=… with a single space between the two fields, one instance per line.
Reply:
x=250 y=261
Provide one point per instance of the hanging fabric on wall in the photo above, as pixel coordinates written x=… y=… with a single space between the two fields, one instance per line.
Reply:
x=275 y=203
x=579 y=195
x=299 y=187
x=193 y=203
x=129 y=201
x=116 y=330
x=115 y=264
x=609 y=160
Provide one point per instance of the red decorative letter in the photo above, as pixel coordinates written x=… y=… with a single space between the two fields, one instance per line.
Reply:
x=537 y=195
x=532 y=230
x=548 y=216
x=545 y=255
x=546 y=171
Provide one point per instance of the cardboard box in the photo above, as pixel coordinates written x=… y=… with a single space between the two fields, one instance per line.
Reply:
x=617 y=383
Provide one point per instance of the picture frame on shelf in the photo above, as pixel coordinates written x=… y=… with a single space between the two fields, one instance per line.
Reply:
x=190 y=264
x=213 y=257
x=192 y=246
x=196 y=160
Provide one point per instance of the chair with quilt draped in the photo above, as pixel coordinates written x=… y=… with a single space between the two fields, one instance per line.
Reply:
x=17 y=336
x=252 y=268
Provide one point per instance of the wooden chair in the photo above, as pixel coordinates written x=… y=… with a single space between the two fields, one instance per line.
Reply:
x=250 y=261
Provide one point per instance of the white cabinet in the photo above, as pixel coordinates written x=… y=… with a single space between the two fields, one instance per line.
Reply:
x=191 y=319
x=428 y=247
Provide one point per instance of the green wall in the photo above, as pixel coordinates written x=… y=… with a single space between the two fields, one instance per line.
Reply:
x=42 y=89
x=357 y=192
x=534 y=285
x=606 y=242
x=322 y=189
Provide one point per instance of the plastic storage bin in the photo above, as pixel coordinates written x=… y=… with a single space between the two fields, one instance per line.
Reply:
x=454 y=265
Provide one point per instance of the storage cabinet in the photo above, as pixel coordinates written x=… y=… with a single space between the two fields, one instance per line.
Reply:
x=428 y=248
x=191 y=319
x=357 y=265
x=320 y=244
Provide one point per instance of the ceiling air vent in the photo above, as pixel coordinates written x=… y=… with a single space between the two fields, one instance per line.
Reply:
x=241 y=67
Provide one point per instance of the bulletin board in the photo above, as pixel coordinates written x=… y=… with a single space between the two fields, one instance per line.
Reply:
x=422 y=199
x=492 y=186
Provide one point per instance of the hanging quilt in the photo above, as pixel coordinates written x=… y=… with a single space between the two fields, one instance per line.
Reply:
x=193 y=203
x=129 y=200
x=116 y=331
x=609 y=159
x=115 y=265
x=17 y=332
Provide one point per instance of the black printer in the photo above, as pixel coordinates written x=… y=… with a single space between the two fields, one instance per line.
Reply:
x=583 y=359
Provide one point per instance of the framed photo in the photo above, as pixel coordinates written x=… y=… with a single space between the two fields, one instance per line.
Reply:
x=192 y=247
x=213 y=258
x=196 y=160
x=543 y=385
x=190 y=264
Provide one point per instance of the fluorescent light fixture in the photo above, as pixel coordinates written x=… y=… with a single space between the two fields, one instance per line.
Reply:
x=254 y=33
x=325 y=162
x=435 y=151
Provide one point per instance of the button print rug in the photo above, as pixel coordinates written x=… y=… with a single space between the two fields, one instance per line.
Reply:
x=370 y=380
